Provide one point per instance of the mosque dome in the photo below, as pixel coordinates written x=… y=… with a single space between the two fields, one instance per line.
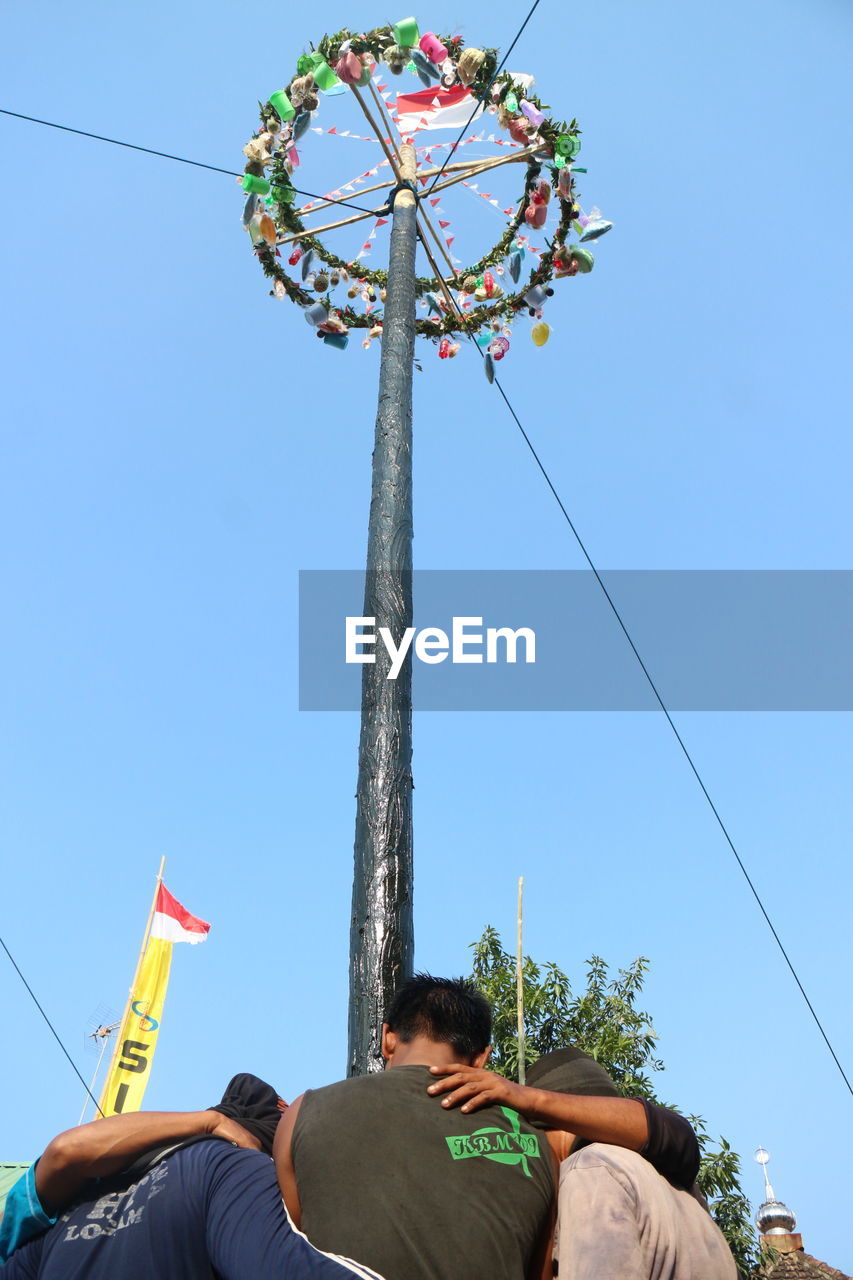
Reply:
x=775 y=1219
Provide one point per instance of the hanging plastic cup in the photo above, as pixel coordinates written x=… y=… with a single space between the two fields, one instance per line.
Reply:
x=432 y=47
x=316 y=314
x=252 y=183
x=282 y=105
x=338 y=340
x=406 y=32
x=324 y=76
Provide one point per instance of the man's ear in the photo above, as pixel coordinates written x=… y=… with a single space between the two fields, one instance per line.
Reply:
x=389 y=1042
x=482 y=1058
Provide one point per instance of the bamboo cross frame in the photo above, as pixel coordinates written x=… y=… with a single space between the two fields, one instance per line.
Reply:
x=480 y=165
x=469 y=169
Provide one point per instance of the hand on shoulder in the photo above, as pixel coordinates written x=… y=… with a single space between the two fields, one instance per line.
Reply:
x=470 y=1088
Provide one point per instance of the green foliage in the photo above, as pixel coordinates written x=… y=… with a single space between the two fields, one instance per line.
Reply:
x=604 y=1020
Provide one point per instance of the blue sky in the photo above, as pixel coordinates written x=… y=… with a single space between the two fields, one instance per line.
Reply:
x=177 y=448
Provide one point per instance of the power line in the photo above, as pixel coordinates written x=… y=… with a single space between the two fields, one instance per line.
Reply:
x=503 y=62
x=52 y=1028
x=671 y=723
x=165 y=155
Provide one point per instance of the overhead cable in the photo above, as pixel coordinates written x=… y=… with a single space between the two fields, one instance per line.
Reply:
x=672 y=726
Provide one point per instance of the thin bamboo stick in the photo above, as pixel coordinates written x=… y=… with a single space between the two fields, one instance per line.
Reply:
x=383 y=113
x=442 y=283
x=519 y=987
x=330 y=226
x=442 y=247
x=461 y=177
x=393 y=160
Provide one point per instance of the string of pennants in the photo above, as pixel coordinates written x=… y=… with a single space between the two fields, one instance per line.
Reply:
x=349 y=188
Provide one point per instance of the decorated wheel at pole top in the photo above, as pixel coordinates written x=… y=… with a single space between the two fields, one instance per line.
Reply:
x=478 y=301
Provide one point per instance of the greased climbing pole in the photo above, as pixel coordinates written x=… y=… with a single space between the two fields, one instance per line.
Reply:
x=462 y=85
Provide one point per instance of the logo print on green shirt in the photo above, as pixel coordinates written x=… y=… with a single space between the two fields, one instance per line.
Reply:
x=506 y=1147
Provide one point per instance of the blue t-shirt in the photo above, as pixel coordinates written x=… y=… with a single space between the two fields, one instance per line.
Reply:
x=23 y=1215
x=208 y=1210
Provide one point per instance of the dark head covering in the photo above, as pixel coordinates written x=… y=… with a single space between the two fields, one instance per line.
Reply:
x=247 y=1099
x=254 y=1104
x=570 y=1071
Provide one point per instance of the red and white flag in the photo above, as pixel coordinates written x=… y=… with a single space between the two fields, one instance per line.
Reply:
x=438 y=108
x=173 y=923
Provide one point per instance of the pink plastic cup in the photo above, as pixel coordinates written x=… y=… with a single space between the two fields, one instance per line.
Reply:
x=433 y=48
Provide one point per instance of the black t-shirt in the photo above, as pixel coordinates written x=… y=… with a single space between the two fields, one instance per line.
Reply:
x=420 y=1192
x=209 y=1210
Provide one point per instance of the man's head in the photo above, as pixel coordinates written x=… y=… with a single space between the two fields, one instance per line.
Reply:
x=571 y=1071
x=255 y=1105
x=437 y=1020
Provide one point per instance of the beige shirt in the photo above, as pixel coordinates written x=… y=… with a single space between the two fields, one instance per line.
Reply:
x=618 y=1219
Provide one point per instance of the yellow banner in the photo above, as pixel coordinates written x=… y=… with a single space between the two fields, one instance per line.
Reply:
x=131 y=1065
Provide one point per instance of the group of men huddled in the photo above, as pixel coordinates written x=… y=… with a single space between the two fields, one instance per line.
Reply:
x=435 y=1169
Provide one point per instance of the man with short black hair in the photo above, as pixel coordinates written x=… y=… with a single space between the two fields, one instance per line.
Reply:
x=375 y=1168
x=447 y=1010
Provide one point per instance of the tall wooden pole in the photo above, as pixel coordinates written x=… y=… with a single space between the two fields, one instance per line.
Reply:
x=381 y=931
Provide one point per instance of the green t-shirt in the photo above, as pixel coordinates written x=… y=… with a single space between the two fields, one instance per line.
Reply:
x=389 y=1177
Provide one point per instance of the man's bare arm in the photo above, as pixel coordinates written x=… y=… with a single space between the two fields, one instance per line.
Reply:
x=620 y=1121
x=109 y=1145
x=283 y=1155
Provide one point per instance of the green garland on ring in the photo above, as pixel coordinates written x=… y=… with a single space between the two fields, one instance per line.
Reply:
x=289 y=223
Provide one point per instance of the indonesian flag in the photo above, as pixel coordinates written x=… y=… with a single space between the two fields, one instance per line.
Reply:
x=173 y=923
x=438 y=108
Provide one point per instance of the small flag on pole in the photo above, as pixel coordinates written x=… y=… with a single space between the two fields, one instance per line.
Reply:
x=173 y=923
